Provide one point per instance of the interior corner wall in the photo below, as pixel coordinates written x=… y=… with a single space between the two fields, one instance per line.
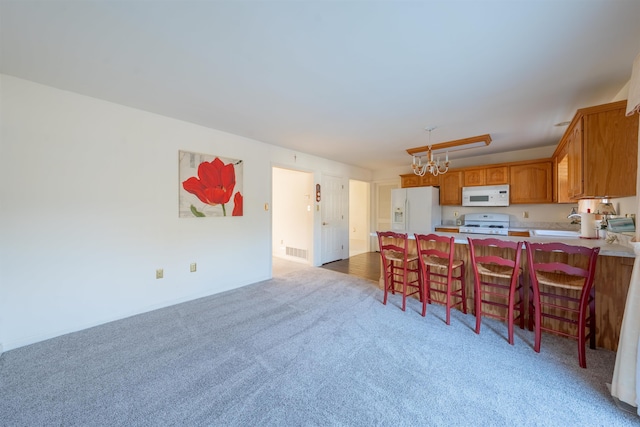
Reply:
x=89 y=211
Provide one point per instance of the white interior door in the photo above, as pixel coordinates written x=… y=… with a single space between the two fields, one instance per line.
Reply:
x=334 y=221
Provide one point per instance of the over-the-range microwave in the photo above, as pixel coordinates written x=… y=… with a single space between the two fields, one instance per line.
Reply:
x=486 y=195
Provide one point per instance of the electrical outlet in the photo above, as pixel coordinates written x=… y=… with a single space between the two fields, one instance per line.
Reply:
x=525 y=214
x=192 y=268
x=159 y=273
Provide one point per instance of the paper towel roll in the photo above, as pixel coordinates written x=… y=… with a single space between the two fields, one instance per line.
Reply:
x=588 y=226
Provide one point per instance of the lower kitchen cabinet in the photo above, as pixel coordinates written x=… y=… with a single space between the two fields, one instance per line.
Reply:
x=447 y=229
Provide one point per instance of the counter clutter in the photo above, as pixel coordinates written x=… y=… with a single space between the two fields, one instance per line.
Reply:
x=613 y=275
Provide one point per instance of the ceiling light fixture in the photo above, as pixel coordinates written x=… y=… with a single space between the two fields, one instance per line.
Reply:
x=434 y=167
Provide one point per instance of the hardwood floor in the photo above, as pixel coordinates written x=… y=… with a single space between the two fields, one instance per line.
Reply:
x=366 y=265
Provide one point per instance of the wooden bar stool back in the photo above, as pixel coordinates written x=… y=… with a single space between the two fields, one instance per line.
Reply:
x=497 y=281
x=438 y=268
x=400 y=268
x=562 y=289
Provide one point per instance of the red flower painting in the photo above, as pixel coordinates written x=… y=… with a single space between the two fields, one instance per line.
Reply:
x=237 y=204
x=214 y=185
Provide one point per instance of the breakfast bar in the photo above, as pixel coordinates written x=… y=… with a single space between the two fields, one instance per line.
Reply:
x=613 y=274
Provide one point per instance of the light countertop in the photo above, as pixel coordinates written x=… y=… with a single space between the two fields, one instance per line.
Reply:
x=606 y=249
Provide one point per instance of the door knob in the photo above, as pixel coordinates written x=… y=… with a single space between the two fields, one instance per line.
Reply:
x=324 y=223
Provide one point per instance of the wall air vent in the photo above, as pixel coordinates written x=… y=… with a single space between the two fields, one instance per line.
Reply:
x=296 y=252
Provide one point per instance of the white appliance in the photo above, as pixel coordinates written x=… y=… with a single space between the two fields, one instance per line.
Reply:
x=415 y=210
x=486 y=224
x=486 y=195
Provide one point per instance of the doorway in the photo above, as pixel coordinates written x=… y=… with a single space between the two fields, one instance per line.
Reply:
x=292 y=216
x=359 y=217
x=340 y=221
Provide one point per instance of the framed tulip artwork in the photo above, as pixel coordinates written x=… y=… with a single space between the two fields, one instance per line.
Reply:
x=210 y=186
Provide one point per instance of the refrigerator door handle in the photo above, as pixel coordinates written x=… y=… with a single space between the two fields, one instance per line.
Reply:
x=406 y=215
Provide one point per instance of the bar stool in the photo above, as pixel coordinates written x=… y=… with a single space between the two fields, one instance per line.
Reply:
x=400 y=268
x=437 y=267
x=563 y=273
x=500 y=267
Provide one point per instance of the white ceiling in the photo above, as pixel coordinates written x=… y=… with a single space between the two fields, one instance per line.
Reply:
x=353 y=81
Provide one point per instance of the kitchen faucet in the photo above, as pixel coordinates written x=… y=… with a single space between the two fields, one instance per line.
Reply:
x=575 y=216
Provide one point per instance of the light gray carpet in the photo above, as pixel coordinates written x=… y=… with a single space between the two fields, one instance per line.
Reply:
x=313 y=347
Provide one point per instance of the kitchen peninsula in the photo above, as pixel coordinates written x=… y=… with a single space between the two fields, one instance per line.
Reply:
x=613 y=274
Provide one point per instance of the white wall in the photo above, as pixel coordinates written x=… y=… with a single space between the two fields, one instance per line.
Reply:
x=89 y=211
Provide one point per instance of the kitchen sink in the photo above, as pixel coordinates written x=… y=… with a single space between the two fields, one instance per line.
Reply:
x=555 y=233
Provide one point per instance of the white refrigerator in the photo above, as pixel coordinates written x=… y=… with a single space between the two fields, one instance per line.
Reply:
x=415 y=210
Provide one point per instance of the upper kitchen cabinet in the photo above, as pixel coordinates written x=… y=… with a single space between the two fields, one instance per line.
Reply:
x=451 y=188
x=597 y=156
x=409 y=180
x=561 y=168
x=497 y=175
x=486 y=175
x=413 y=180
x=531 y=182
x=473 y=177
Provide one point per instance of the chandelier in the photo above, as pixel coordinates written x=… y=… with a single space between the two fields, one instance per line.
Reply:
x=431 y=166
x=434 y=167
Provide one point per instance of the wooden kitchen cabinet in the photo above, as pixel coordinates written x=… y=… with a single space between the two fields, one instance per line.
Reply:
x=561 y=184
x=576 y=169
x=474 y=177
x=413 y=180
x=597 y=156
x=493 y=175
x=451 y=188
x=531 y=182
x=429 y=180
x=409 y=180
x=497 y=175
x=448 y=229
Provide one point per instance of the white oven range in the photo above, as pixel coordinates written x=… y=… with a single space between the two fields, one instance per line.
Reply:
x=483 y=223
